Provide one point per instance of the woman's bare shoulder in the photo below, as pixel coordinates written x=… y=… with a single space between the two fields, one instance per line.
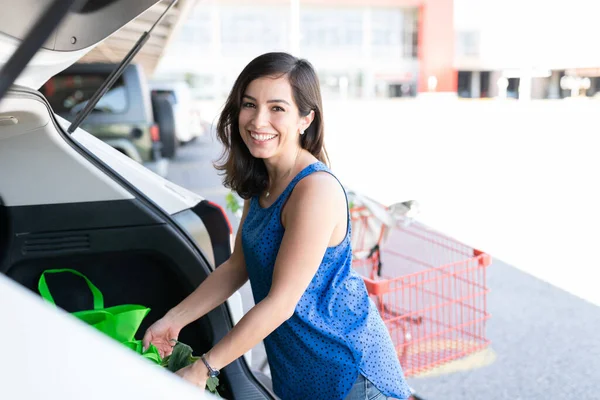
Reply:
x=319 y=188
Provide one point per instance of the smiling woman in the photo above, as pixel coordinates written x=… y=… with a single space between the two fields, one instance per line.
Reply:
x=323 y=336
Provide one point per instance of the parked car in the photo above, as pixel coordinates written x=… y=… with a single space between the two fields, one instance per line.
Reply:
x=73 y=201
x=188 y=125
x=125 y=117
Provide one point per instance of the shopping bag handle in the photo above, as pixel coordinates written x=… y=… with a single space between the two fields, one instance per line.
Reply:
x=45 y=292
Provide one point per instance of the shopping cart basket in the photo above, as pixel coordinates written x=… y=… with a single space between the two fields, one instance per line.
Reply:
x=429 y=289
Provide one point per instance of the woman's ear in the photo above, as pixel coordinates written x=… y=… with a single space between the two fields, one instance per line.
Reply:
x=307 y=120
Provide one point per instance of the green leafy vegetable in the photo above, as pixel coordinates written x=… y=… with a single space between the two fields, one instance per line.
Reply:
x=234 y=204
x=211 y=385
x=181 y=357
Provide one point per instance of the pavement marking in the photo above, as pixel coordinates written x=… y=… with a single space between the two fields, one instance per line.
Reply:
x=479 y=359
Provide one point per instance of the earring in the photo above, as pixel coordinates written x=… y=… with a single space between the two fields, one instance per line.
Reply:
x=302 y=132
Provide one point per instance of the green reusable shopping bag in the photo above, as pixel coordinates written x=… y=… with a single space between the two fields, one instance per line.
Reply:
x=119 y=322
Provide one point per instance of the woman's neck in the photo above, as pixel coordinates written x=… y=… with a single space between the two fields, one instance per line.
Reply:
x=283 y=166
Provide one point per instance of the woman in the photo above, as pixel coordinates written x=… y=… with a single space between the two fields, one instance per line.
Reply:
x=323 y=336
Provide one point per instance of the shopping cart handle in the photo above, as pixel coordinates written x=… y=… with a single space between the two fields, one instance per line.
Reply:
x=408 y=209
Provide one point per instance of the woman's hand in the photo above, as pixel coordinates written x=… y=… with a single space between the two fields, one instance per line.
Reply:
x=195 y=373
x=163 y=335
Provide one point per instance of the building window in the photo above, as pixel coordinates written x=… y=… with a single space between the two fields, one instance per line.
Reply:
x=394 y=32
x=197 y=30
x=193 y=40
x=410 y=33
x=251 y=30
x=386 y=33
x=331 y=29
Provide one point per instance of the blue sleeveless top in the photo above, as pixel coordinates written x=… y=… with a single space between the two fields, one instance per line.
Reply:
x=335 y=332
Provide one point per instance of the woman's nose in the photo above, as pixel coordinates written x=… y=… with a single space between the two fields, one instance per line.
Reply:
x=261 y=117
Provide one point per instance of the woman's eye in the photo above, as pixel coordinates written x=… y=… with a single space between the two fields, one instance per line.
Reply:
x=247 y=105
x=277 y=108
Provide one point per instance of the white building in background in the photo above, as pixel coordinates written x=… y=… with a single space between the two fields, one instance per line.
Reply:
x=373 y=48
x=538 y=48
x=359 y=50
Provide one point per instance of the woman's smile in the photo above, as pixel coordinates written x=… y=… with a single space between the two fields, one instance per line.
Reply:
x=260 y=137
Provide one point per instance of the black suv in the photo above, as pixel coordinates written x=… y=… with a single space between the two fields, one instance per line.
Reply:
x=125 y=117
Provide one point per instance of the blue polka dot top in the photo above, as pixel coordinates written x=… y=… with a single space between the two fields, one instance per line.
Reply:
x=335 y=332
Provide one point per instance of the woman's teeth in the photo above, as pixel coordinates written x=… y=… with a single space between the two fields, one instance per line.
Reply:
x=261 y=137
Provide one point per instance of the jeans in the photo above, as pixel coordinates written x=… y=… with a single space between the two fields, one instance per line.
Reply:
x=363 y=389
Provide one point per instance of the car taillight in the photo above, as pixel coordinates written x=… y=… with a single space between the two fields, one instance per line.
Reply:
x=155 y=133
x=219 y=229
x=224 y=215
x=231 y=235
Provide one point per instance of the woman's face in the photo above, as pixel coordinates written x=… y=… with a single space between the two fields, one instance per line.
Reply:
x=269 y=119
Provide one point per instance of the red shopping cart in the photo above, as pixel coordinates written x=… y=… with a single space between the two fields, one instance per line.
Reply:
x=429 y=289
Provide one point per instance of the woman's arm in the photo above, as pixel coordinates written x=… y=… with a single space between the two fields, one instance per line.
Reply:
x=312 y=214
x=218 y=287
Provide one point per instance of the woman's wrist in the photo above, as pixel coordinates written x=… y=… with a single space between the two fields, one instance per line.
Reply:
x=177 y=317
x=200 y=370
x=212 y=360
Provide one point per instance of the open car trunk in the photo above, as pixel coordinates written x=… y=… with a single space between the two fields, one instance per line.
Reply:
x=62 y=208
